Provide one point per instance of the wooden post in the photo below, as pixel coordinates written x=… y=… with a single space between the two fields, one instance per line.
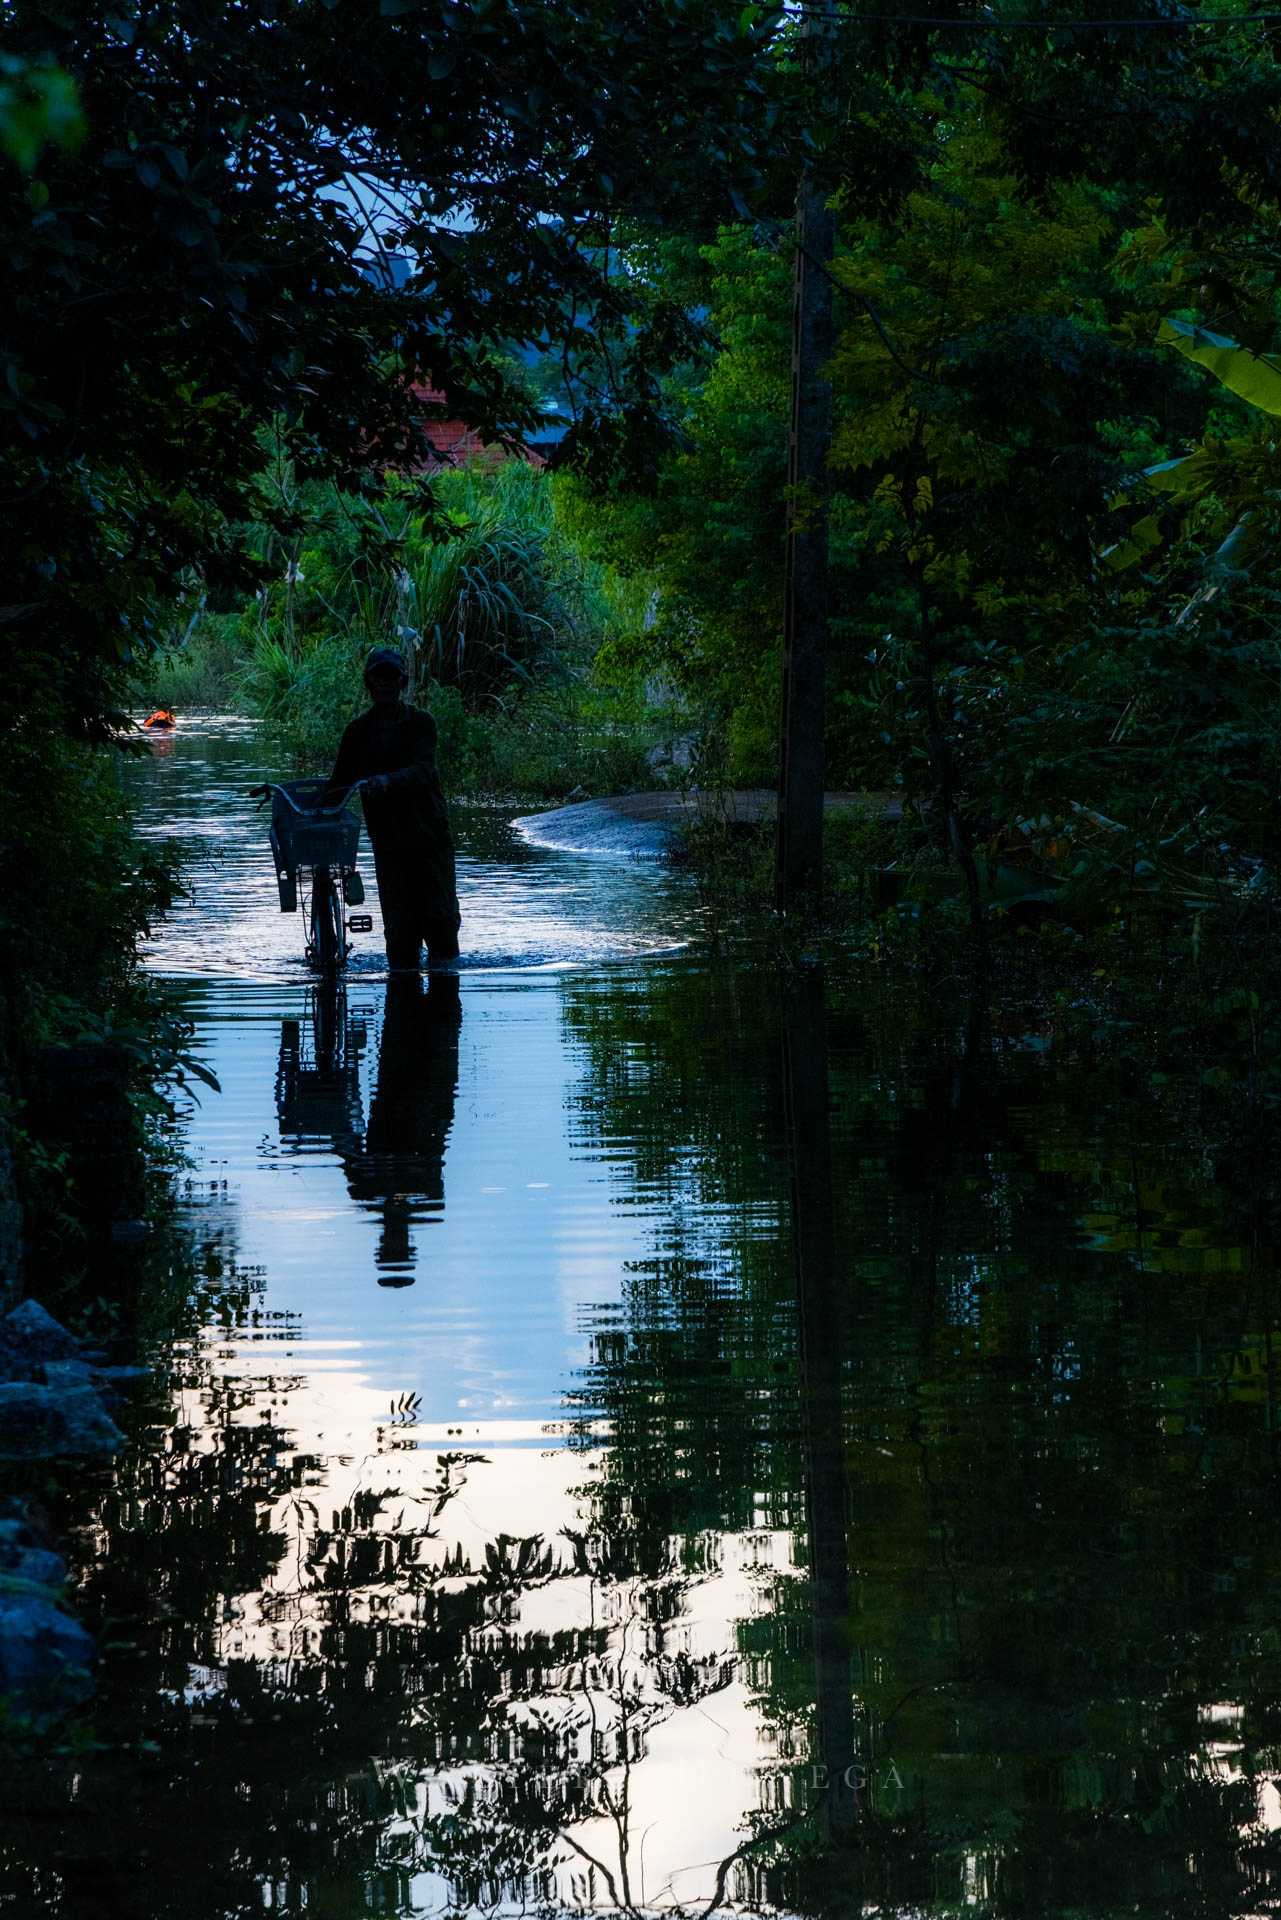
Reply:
x=799 y=845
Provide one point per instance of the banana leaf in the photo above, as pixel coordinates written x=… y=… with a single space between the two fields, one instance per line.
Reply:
x=1256 y=377
x=1189 y=473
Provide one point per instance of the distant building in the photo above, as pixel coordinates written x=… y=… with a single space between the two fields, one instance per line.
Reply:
x=455 y=442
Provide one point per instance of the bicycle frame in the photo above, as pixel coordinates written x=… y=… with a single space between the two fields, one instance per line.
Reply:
x=327 y=945
x=325 y=882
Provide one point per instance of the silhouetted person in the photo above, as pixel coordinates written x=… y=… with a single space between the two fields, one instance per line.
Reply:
x=392 y=748
x=400 y=1167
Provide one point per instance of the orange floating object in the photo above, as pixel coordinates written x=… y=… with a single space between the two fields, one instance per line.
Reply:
x=160 y=721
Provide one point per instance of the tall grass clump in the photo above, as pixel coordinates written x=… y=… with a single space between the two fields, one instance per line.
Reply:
x=513 y=637
x=499 y=601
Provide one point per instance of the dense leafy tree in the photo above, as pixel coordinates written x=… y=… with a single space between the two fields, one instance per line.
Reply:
x=1004 y=269
x=981 y=402
x=709 y=532
x=208 y=259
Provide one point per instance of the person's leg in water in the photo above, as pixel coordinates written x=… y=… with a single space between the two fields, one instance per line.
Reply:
x=400 y=906
x=419 y=901
x=440 y=916
x=442 y=940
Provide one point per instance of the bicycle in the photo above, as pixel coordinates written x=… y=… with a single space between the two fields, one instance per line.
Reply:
x=308 y=836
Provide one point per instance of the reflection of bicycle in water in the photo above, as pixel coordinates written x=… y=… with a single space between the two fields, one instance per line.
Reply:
x=393 y=1160
x=318 y=1097
x=315 y=845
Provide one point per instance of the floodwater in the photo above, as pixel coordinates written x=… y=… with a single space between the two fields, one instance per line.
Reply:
x=657 y=1436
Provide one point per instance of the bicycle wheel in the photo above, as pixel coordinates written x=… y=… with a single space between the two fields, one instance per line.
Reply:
x=328 y=1025
x=328 y=930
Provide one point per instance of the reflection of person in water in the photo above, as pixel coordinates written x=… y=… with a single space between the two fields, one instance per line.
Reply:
x=399 y=1169
x=395 y=1164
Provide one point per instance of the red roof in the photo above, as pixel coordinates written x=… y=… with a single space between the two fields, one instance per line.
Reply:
x=453 y=440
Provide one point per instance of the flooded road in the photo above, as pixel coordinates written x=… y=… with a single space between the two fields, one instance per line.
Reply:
x=653 y=1436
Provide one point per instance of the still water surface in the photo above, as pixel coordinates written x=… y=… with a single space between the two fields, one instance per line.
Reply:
x=658 y=1437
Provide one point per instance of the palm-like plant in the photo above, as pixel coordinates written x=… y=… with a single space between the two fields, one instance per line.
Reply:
x=493 y=601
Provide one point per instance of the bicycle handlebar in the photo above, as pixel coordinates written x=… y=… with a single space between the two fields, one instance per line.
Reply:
x=263 y=794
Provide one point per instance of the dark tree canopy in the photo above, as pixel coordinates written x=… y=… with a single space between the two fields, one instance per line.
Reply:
x=204 y=261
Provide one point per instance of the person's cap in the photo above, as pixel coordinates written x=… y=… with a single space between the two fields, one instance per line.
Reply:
x=386 y=657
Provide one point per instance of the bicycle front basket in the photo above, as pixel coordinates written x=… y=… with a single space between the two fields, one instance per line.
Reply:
x=305 y=834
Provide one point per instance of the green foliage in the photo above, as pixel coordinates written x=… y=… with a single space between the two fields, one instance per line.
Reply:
x=709 y=535
x=39 y=107
x=78 y=891
x=77 y=887
x=493 y=601
x=1254 y=376
x=577 y=739
x=1196 y=746
x=202 y=668
x=518 y=642
x=1051 y=539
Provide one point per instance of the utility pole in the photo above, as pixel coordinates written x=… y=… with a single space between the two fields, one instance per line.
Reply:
x=799 y=845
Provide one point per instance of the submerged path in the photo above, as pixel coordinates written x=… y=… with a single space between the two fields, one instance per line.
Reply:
x=640 y=1436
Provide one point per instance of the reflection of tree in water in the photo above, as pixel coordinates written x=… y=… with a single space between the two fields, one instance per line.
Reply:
x=395 y=1164
x=1057 y=1437
x=1036 y=1385
x=324 y=1681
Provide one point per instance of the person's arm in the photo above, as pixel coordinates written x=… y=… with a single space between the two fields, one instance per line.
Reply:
x=419 y=774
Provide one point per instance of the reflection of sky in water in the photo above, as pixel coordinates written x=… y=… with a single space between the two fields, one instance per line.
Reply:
x=527 y=1238
x=526 y=1235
